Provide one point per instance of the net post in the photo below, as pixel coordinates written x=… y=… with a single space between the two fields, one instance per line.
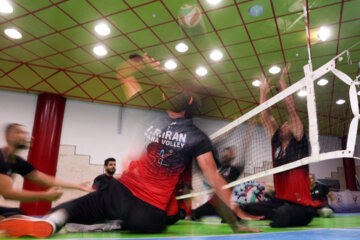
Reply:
x=353 y=129
x=312 y=115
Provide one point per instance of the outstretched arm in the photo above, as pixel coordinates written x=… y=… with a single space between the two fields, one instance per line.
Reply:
x=7 y=191
x=126 y=70
x=295 y=123
x=51 y=181
x=265 y=116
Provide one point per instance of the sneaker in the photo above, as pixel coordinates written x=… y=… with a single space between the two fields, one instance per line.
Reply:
x=325 y=212
x=194 y=217
x=18 y=226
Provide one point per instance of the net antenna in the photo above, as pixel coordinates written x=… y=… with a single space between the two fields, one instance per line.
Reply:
x=306 y=17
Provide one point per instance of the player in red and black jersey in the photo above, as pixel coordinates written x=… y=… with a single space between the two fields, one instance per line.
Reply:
x=292 y=205
x=142 y=194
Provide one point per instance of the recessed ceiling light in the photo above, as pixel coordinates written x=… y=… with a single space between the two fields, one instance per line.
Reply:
x=216 y=55
x=256 y=83
x=302 y=93
x=274 y=70
x=324 y=33
x=340 y=101
x=213 y=2
x=102 y=29
x=322 y=82
x=181 y=47
x=13 y=33
x=201 y=71
x=170 y=64
x=5 y=7
x=100 y=50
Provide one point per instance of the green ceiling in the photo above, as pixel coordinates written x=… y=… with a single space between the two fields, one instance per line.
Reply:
x=55 y=54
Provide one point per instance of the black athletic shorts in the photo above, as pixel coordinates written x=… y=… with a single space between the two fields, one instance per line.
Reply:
x=282 y=213
x=114 y=202
x=7 y=212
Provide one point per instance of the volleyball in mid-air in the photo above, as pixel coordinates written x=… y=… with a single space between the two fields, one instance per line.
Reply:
x=256 y=10
x=189 y=15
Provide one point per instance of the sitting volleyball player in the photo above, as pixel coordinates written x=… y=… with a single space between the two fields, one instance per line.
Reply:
x=229 y=173
x=143 y=191
x=99 y=182
x=16 y=138
x=320 y=194
x=109 y=170
x=292 y=205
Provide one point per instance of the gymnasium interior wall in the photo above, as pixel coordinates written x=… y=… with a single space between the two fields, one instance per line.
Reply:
x=93 y=132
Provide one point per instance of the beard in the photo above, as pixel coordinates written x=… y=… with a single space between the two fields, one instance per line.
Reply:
x=22 y=146
x=110 y=172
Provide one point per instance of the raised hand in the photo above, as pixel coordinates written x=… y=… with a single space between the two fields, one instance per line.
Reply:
x=135 y=63
x=150 y=62
x=264 y=84
x=285 y=71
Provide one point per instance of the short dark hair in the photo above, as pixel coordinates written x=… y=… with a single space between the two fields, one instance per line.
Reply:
x=106 y=162
x=230 y=148
x=10 y=126
x=180 y=102
x=135 y=57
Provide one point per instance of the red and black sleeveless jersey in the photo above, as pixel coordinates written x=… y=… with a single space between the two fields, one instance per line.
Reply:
x=292 y=185
x=172 y=144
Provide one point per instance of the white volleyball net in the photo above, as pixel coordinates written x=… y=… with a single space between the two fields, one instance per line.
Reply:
x=329 y=114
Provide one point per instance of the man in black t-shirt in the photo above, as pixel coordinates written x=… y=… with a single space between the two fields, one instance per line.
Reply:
x=320 y=194
x=141 y=195
x=100 y=182
x=10 y=163
x=103 y=179
x=229 y=173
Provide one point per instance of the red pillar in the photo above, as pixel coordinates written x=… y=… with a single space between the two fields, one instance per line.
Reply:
x=44 y=148
x=349 y=168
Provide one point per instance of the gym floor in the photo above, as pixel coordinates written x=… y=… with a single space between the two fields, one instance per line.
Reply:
x=341 y=226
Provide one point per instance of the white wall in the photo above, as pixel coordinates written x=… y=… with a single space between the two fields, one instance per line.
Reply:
x=16 y=108
x=324 y=169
